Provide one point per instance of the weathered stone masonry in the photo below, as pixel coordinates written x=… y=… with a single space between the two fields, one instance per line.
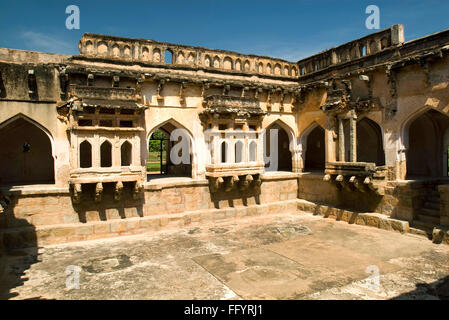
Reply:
x=363 y=128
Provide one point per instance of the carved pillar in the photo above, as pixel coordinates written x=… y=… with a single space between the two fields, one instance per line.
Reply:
x=353 y=138
x=341 y=140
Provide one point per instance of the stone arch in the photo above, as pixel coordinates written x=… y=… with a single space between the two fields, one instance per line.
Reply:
x=370 y=142
x=260 y=67
x=294 y=72
x=207 y=61
x=277 y=69
x=238 y=151
x=286 y=71
x=127 y=51
x=312 y=143
x=169 y=56
x=182 y=169
x=216 y=62
x=106 y=154
x=156 y=54
x=191 y=58
x=180 y=58
x=238 y=65
x=252 y=151
x=268 y=69
x=422 y=138
x=89 y=47
x=115 y=50
x=126 y=154
x=227 y=63
x=286 y=145
x=146 y=54
x=26 y=156
x=247 y=66
x=85 y=154
x=224 y=154
x=102 y=48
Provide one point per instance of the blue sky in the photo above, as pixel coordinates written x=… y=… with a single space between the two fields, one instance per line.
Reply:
x=288 y=29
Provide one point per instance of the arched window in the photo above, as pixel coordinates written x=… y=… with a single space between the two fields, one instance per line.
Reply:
x=253 y=151
x=224 y=152
x=85 y=154
x=126 y=154
x=239 y=152
x=168 y=57
x=106 y=154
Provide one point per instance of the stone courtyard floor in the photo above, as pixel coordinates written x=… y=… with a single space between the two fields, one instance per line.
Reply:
x=297 y=256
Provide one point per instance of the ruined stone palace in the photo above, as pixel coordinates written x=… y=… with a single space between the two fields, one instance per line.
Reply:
x=362 y=135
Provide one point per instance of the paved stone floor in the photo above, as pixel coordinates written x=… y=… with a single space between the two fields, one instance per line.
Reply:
x=296 y=256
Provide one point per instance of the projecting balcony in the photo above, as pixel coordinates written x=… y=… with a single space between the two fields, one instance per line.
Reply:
x=357 y=176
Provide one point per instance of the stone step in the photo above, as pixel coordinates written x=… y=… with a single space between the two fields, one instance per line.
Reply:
x=432 y=205
x=423 y=225
x=429 y=219
x=421 y=232
x=32 y=236
x=430 y=212
x=433 y=198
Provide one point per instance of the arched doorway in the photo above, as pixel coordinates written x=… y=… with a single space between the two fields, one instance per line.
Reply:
x=369 y=142
x=426 y=153
x=315 y=150
x=25 y=154
x=160 y=150
x=284 y=155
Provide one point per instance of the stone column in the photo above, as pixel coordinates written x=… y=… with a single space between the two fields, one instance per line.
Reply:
x=341 y=141
x=353 y=138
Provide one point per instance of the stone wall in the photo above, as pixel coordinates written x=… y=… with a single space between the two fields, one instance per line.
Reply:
x=35 y=214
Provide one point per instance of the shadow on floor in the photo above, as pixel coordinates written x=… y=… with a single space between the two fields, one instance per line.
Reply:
x=435 y=290
x=18 y=244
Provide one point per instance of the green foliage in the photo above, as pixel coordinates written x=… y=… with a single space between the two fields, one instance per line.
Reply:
x=155 y=144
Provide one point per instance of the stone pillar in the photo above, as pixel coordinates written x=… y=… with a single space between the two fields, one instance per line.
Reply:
x=341 y=141
x=353 y=138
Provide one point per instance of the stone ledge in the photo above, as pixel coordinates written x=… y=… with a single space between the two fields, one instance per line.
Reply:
x=279 y=175
x=367 y=219
x=166 y=184
x=35 y=190
x=44 y=235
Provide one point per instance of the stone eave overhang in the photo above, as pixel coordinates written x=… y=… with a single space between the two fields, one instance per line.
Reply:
x=210 y=70
x=152 y=75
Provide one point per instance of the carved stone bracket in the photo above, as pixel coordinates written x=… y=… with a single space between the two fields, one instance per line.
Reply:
x=228 y=183
x=356 y=177
x=98 y=192
x=118 y=191
x=77 y=190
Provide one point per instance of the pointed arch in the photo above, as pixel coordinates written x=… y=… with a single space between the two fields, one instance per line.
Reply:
x=85 y=154
x=106 y=154
x=312 y=145
x=286 y=146
x=422 y=138
x=370 y=144
x=126 y=152
x=188 y=162
x=27 y=153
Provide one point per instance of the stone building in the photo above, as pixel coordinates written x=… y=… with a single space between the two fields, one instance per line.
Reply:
x=362 y=129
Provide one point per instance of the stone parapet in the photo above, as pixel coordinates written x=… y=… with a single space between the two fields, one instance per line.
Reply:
x=153 y=52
